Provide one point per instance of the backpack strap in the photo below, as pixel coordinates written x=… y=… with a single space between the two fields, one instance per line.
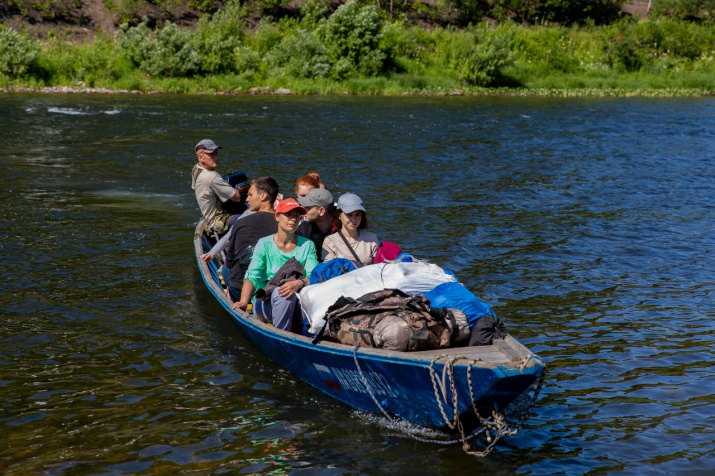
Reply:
x=319 y=336
x=359 y=263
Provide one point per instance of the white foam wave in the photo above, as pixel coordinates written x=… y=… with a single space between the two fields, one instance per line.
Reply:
x=130 y=194
x=67 y=110
x=78 y=112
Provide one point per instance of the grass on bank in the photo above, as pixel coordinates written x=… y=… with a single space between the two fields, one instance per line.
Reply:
x=356 y=51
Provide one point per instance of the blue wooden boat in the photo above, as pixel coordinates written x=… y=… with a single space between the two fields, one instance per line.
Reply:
x=422 y=388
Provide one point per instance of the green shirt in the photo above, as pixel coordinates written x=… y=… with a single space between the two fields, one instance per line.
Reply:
x=267 y=259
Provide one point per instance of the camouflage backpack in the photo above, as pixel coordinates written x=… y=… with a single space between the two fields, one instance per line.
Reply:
x=408 y=324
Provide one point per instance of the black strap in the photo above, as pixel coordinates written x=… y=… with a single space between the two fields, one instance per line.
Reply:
x=319 y=335
x=359 y=263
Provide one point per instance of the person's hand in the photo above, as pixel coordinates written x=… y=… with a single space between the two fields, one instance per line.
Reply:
x=287 y=289
x=207 y=257
x=239 y=305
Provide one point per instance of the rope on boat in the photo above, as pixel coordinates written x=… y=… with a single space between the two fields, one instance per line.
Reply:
x=494 y=427
x=397 y=420
x=367 y=385
x=522 y=366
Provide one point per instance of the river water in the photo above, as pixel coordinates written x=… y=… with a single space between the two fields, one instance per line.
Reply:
x=587 y=224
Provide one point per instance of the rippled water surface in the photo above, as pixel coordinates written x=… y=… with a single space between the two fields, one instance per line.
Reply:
x=587 y=224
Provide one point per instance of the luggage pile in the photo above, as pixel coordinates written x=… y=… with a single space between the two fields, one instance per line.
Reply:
x=401 y=306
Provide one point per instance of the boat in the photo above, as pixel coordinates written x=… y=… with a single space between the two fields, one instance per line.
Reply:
x=460 y=389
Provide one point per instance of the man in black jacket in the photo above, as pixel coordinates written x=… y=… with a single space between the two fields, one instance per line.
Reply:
x=248 y=230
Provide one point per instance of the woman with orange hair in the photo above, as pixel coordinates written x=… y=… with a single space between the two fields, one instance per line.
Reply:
x=306 y=183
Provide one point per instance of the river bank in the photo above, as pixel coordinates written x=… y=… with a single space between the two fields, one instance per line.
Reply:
x=617 y=93
x=357 y=50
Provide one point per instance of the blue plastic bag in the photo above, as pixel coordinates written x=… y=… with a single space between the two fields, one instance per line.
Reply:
x=404 y=258
x=456 y=296
x=330 y=269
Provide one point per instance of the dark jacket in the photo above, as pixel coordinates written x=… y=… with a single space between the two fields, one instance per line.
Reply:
x=246 y=232
x=290 y=271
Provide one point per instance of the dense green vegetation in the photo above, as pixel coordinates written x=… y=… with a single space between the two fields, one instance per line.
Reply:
x=365 y=47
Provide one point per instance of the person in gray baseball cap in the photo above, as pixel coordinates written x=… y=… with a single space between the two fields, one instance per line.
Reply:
x=211 y=189
x=319 y=217
x=351 y=241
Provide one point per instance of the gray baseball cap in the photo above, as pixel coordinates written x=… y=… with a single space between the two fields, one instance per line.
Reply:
x=349 y=202
x=207 y=144
x=317 y=197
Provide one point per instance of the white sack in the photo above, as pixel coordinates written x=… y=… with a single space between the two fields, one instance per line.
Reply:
x=410 y=278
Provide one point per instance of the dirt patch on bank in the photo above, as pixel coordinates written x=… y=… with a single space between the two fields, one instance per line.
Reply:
x=81 y=22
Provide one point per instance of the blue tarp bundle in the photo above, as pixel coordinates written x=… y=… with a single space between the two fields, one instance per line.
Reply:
x=456 y=296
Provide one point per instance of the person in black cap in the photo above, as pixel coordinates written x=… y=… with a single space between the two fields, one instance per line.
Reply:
x=211 y=189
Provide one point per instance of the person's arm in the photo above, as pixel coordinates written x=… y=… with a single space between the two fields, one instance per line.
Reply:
x=246 y=293
x=329 y=251
x=224 y=190
x=218 y=247
x=237 y=196
x=254 y=275
x=287 y=289
x=311 y=261
x=373 y=252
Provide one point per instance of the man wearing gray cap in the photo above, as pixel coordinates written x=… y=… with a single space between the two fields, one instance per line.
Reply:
x=319 y=217
x=211 y=189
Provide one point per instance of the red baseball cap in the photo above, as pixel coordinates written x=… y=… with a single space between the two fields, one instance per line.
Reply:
x=289 y=204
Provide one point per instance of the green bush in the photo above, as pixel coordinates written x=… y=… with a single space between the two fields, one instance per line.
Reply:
x=248 y=61
x=312 y=12
x=98 y=61
x=47 y=9
x=217 y=37
x=480 y=55
x=413 y=43
x=555 y=47
x=665 y=36
x=686 y=9
x=622 y=48
x=658 y=43
x=127 y=11
x=166 y=53
x=266 y=37
x=352 y=35
x=301 y=55
x=17 y=52
x=564 y=12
